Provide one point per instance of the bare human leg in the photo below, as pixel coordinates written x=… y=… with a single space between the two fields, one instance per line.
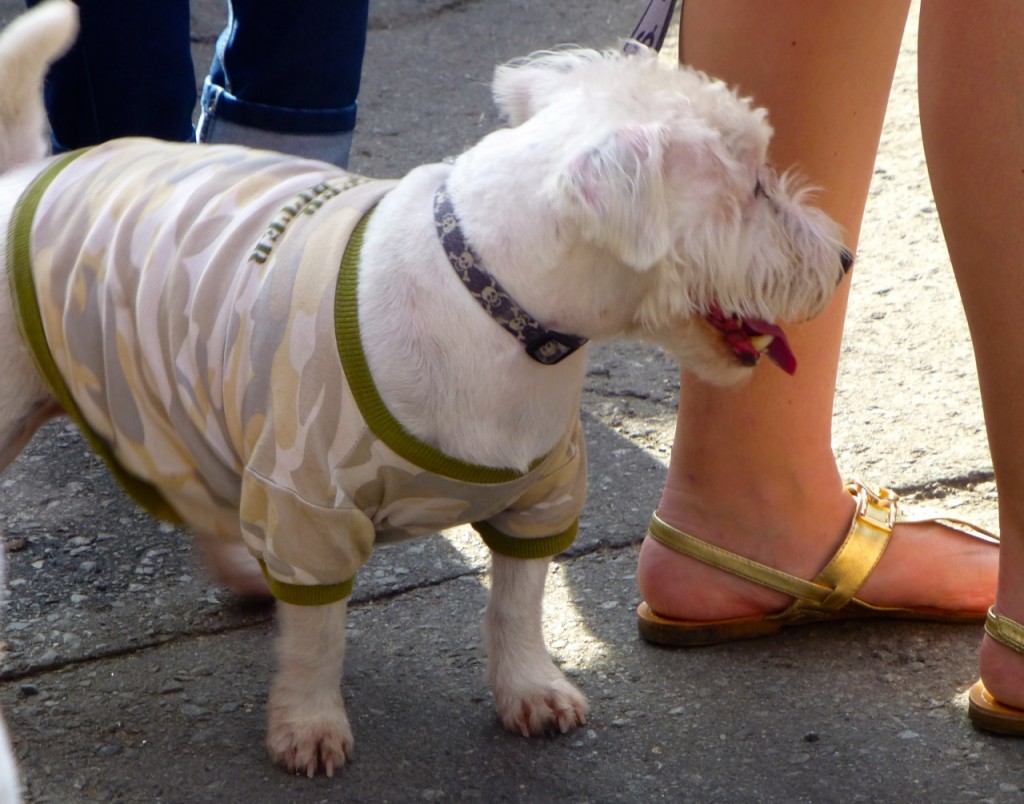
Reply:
x=752 y=468
x=972 y=95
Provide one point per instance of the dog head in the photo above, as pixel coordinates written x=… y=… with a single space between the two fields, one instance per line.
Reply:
x=665 y=169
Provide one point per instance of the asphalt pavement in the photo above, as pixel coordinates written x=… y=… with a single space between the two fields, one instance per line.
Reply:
x=129 y=677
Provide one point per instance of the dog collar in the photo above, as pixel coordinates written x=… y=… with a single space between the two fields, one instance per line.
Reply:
x=546 y=346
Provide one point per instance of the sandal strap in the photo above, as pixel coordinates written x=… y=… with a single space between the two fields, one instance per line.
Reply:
x=1004 y=630
x=952 y=522
x=835 y=586
x=738 y=565
x=859 y=553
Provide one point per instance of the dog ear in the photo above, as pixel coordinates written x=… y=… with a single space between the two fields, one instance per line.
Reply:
x=512 y=89
x=616 y=192
x=521 y=88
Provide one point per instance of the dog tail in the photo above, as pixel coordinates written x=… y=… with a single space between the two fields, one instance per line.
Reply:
x=28 y=46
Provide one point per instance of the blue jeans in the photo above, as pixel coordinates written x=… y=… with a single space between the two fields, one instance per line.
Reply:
x=130 y=73
x=289 y=72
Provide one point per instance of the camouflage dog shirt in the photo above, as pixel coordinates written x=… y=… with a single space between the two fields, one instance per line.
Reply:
x=194 y=309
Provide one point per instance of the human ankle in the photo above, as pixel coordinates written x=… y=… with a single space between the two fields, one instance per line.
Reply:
x=773 y=507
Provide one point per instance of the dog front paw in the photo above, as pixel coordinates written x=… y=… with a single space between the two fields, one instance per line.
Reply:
x=311 y=740
x=539 y=709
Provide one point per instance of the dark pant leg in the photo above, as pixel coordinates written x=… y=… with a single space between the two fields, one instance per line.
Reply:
x=291 y=67
x=129 y=73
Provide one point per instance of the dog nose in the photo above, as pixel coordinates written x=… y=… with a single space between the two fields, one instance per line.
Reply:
x=846 y=260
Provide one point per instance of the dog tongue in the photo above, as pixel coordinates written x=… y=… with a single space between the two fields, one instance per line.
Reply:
x=778 y=350
x=739 y=332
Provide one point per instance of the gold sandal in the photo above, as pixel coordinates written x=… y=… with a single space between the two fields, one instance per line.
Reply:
x=828 y=597
x=984 y=710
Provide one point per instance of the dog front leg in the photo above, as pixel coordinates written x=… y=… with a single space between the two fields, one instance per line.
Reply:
x=308 y=728
x=531 y=694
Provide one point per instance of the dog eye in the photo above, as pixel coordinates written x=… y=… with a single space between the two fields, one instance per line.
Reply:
x=759 y=190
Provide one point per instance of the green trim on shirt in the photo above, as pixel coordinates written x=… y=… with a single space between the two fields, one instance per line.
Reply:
x=30 y=323
x=379 y=419
x=300 y=595
x=513 y=547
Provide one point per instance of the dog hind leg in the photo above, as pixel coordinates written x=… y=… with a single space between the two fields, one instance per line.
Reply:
x=232 y=565
x=25 y=401
x=531 y=694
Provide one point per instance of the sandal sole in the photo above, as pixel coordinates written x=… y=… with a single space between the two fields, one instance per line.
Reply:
x=691 y=633
x=987 y=714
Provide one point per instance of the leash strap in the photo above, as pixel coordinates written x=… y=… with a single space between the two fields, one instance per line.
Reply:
x=653 y=25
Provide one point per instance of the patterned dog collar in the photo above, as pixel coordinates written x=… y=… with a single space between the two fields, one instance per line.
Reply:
x=544 y=345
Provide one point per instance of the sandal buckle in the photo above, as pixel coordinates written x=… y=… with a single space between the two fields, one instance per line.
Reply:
x=875 y=507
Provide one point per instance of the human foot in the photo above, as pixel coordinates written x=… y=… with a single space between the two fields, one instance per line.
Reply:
x=926 y=566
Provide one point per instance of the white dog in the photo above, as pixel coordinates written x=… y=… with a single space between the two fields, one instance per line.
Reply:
x=185 y=305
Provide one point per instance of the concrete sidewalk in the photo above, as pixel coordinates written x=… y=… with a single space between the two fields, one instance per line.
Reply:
x=130 y=678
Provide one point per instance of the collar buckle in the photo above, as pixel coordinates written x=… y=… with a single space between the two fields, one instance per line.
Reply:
x=551 y=347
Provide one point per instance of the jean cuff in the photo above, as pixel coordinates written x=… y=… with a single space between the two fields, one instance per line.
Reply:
x=217 y=102
x=331 y=148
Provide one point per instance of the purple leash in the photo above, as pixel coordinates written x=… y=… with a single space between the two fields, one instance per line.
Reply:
x=653 y=25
